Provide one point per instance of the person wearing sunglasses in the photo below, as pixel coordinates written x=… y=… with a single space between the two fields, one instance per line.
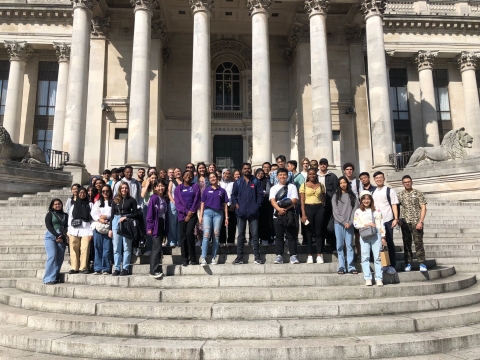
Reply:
x=101 y=214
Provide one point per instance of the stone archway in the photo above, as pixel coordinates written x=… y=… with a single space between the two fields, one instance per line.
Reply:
x=233 y=47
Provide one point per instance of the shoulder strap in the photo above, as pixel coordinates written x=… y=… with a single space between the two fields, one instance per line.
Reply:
x=388 y=197
x=358 y=186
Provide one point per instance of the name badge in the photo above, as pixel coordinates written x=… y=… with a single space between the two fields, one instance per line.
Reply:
x=252 y=185
x=185 y=190
x=210 y=192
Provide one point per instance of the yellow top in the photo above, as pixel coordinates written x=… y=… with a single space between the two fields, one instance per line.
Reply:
x=313 y=196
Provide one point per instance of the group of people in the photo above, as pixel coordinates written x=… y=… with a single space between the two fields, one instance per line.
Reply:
x=117 y=215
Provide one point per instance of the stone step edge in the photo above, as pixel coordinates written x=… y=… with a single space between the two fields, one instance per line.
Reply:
x=366 y=347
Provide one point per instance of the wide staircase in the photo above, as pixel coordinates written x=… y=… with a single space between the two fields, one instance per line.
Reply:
x=248 y=311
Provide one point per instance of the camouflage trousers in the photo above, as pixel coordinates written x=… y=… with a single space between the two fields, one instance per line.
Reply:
x=409 y=231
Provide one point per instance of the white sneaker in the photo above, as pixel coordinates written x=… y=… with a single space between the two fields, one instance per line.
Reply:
x=310 y=260
x=320 y=260
x=391 y=270
x=203 y=262
x=214 y=260
x=379 y=283
x=368 y=282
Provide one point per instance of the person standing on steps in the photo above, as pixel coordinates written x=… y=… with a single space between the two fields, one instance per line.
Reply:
x=148 y=189
x=173 y=237
x=365 y=179
x=356 y=187
x=213 y=213
x=227 y=234
x=312 y=197
x=281 y=161
x=101 y=213
x=283 y=198
x=305 y=167
x=124 y=206
x=187 y=202
x=386 y=201
x=81 y=234
x=247 y=196
x=412 y=215
x=266 y=210
x=140 y=175
x=71 y=200
x=344 y=204
x=156 y=215
x=368 y=216
x=330 y=181
x=56 y=222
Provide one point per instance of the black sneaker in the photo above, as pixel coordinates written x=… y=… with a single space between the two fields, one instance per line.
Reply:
x=116 y=273
x=85 y=272
x=258 y=262
x=124 y=272
x=185 y=263
x=193 y=263
x=73 y=272
x=237 y=261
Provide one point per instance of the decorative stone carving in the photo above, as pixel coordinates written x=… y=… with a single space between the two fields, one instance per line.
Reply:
x=148 y=5
x=300 y=33
x=424 y=59
x=166 y=54
x=201 y=5
x=388 y=56
x=288 y=56
x=467 y=61
x=317 y=7
x=452 y=148
x=259 y=6
x=232 y=46
x=63 y=52
x=9 y=150
x=353 y=34
x=88 y=5
x=100 y=26
x=372 y=7
x=18 y=51
x=159 y=30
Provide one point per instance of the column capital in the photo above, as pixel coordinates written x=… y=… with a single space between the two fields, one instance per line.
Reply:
x=18 y=51
x=159 y=30
x=100 y=26
x=201 y=5
x=63 y=51
x=425 y=59
x=353 y=34
x=147 y=5
x=259 y=6
x=388 y=56
x=300 y=33
x=467 y=61
x=372 y=7
x=88 y=5
x=316 y=7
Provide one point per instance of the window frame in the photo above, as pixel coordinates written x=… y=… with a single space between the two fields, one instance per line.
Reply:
x=238 y=92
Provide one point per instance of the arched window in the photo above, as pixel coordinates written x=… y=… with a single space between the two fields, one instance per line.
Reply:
x=227 y=87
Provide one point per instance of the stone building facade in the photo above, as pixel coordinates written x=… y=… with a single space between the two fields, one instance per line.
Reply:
x=170 y=81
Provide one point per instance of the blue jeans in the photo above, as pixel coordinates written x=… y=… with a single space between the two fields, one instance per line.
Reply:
x=122 y=247
x=173 y=227
x=102 y=252
x=55 y=254
x=374 y=243
x=211 y=218
x=344 y=236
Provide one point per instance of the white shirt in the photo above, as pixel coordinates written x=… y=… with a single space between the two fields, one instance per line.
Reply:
x=381 y=202
x=84 y=230
x=292 y=192
x=353 y=184
x=98 y=211
x=228 y=186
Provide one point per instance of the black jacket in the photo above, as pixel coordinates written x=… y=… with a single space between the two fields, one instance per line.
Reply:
x=331 y=184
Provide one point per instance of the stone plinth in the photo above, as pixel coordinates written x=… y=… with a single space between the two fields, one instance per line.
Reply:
x=17 y=179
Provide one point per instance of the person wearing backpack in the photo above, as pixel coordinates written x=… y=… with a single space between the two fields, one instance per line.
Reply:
x=386 y=201
x=247 y=196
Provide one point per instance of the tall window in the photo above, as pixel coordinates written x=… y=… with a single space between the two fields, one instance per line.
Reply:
x=399 y=108
x=227 y=87
x=4 y=70
x=45 y=108
x=442 y=102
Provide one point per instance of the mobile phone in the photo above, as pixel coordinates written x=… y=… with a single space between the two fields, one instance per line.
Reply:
x=307 y=222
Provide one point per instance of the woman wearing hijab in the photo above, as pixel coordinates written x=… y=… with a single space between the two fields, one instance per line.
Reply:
x=80 y=232
x=227 y=233
x=266 y=210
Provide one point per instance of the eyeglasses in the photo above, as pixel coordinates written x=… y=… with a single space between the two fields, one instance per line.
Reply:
x=189 y=167
x=105 y=191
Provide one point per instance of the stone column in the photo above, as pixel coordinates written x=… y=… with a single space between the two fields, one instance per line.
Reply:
x=467 y=62
x=261 y=108
x=424 y=60
x=140 y=84
x=321 y=109
x=18 y=52
x=63 y=55
x=201 y=82
x=76 y=108
x=380 y=115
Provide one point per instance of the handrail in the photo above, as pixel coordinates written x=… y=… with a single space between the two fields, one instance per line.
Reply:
x=56 y=159
x=400 y=159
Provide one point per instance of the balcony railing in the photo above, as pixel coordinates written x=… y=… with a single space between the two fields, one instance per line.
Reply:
x=56 y=159
x=400 y=159
x=226 y=114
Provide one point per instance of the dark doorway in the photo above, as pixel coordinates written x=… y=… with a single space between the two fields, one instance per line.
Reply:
x=228 y=151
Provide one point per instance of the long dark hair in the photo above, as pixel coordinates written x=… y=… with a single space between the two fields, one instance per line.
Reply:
x=351 y=195
x=71 y=188
x=102 y=199
x=50 y=207
x=206 y=170
x=94 y=189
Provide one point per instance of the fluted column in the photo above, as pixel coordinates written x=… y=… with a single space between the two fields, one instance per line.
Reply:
x=140 y=84
x=321 y=108
x=18 y=52
x=467 y=62
x=76 y=108
x=424 y=61
x=380 y=116
x=63 y=55
x=261 y=108
x=201 y=82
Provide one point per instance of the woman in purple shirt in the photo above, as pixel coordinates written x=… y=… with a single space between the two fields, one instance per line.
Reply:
x=212 y=211
x=187 y=202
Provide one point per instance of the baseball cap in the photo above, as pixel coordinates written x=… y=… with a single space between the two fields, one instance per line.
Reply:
x=323 y=160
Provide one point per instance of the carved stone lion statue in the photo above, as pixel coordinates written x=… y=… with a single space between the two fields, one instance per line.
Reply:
x=453 y=147
x=31 y=154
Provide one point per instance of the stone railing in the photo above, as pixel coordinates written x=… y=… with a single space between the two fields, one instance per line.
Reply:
x=226 y=114
x=422 y=7
x=400 y=6
x=442 y=7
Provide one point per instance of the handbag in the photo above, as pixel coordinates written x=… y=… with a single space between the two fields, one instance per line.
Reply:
x=384 y=256
x=101 y=228
x=76 y=223
x=368 y=231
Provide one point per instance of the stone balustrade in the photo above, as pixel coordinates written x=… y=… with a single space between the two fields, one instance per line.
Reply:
x=460 y=8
